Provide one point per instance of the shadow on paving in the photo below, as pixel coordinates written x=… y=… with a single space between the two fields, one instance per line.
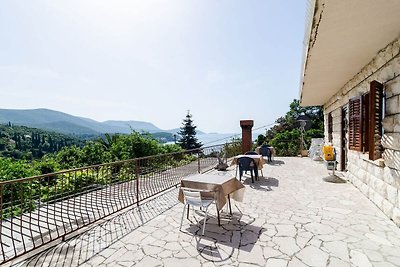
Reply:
x=334 y=179
x=81 y=248
x=276 y=162
x=263 y=184
x=236 y=233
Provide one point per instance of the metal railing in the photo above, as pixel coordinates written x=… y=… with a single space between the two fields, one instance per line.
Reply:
x=37 y=210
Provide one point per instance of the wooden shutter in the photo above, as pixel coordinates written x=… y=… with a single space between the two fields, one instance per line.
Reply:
x=355 y=123
x=365 y=121
x=375 y=120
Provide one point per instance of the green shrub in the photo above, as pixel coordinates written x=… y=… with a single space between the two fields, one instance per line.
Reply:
x=70 y=157
x=287 y=143
x=233 y=148
x=94 y=153
x=16 y=196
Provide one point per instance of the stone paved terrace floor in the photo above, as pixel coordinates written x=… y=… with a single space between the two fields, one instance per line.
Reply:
x=290 y=218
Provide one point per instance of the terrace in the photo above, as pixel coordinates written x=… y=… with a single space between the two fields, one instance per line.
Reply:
x=291 y=217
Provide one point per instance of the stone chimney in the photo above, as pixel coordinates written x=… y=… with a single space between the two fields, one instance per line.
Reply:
x=246 y=134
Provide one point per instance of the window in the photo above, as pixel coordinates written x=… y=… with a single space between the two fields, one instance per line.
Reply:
x=330 y=127
x=365 y=121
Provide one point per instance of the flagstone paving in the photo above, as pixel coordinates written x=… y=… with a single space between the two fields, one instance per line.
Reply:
x=291 y=217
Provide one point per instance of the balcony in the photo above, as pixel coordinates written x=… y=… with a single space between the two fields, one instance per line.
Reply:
x=290 y=217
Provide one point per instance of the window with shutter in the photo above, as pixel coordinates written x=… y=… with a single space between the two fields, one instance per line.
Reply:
x=375 y=120
x=355 y=124
x=330 y=127
x=365 y=121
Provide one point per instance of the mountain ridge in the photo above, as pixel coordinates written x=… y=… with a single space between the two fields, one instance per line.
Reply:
x=69 y=124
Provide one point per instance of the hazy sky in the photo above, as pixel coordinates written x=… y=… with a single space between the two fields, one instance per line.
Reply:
x=153 y=60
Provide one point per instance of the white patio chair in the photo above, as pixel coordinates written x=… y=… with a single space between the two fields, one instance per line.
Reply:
x=193 y=197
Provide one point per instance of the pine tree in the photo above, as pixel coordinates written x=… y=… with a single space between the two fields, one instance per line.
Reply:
x=188 y=138
x=51 y=144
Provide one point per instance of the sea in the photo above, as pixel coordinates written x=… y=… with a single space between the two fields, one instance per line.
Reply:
x=210 y=139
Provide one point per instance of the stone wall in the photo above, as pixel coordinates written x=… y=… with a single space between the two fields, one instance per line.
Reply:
x=381 y=184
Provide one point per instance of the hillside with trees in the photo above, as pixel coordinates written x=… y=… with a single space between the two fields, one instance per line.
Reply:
x=21 y=142
x=111 y=148
x=285 y=136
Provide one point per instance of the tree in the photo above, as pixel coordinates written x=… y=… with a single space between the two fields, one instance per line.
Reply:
x=188 y=138
x=285 y=135
x=108 y=140
x=260 y=139
x=95 y=153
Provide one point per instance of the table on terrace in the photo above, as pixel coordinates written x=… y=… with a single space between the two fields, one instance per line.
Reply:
x=258 y=159
x=224 y=186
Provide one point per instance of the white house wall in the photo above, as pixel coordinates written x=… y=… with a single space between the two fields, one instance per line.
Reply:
x=380 y=184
